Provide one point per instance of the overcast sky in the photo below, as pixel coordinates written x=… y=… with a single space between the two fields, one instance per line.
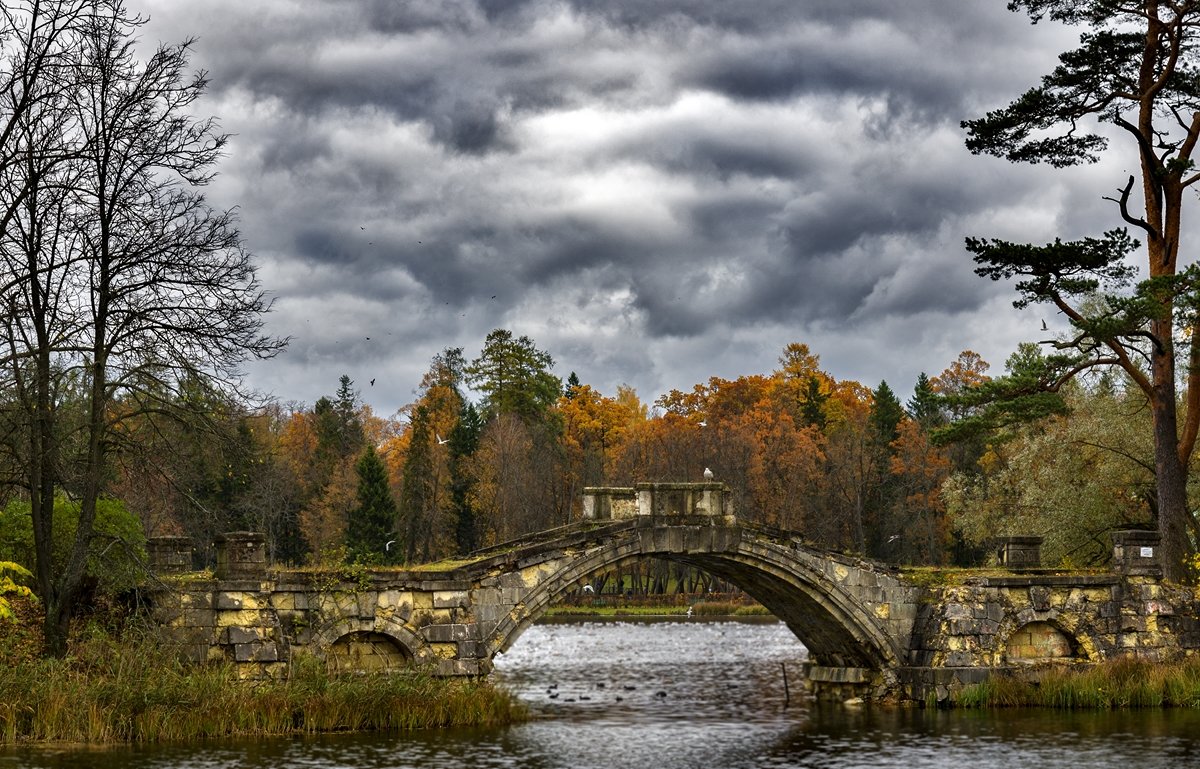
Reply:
x=655 y=191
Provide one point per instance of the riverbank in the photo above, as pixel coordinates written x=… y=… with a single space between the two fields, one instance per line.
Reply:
x=127 y=685
x=706 y=605
x=705 y=610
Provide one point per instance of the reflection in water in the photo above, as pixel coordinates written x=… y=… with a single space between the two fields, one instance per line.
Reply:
x=691 y=694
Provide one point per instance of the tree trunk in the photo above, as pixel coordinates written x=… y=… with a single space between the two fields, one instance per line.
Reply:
x=57 y=624
x=1169 y=467
x=1171 y=483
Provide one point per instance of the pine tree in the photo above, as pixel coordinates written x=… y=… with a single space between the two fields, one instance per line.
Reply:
x=573 y=384
x=464 y=440
x=340 y=433
x=1136 y=70
x=883 y=428
x=812 y=410
x=886 y=414
x=373 y=520
x=418 y=496
x=924 y=406
x=514 y=376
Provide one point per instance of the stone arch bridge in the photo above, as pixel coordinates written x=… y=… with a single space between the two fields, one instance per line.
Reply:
x=870 y=629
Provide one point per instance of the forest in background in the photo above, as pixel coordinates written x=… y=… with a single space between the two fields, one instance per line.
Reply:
x=497 y=446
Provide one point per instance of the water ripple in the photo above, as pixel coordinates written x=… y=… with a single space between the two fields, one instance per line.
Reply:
x=686 y=695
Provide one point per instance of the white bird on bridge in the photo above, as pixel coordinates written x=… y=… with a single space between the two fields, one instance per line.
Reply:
x=588 y=589
x=708 y=474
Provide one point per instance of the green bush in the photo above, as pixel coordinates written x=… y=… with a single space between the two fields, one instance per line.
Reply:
x=115 y=555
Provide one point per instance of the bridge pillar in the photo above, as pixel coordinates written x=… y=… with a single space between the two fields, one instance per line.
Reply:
x=169 y=555
x=1135 y=552
x=241 y=555
x=1019 y=552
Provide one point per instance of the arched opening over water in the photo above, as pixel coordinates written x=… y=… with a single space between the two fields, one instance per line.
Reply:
x=836 y=629
x=668 y=670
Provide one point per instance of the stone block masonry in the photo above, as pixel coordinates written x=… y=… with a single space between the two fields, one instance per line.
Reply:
x=871 y=630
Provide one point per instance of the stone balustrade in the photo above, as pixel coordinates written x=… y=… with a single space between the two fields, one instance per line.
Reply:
x=662 y=499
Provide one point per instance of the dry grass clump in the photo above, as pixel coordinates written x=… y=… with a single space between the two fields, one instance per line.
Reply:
x=132 y=686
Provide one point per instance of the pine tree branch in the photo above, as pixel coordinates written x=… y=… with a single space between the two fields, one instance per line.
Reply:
x=1123 y=203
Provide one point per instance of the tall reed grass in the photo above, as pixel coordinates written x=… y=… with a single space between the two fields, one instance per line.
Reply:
x=134 y=688
x=1120 y=683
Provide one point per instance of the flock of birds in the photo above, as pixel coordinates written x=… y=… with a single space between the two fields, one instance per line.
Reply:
x=552 y=693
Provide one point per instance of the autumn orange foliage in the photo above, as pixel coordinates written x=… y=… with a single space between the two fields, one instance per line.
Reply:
x=796 y=446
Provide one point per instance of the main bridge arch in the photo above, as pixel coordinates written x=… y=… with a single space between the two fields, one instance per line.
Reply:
x=848 y=613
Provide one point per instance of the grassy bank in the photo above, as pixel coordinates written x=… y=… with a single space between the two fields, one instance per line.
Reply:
x=1121 y=683
x=699 y=609
x=131 y=687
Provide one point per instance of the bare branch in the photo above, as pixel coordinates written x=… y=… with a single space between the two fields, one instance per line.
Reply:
x=1123 y=203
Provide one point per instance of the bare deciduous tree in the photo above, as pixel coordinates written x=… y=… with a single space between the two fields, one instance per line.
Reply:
x=121 y=281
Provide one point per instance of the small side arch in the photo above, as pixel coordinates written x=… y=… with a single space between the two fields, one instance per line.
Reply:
x=363 y=650
x=354 y=635
x=1040 y=642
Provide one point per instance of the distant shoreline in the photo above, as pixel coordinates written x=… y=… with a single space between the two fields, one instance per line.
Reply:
x=618 y=616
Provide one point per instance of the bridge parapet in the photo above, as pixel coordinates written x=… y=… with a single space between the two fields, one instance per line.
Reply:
x=1137 y=553
x=662 y=499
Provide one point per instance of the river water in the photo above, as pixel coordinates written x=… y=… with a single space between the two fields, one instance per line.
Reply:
x=670 y=695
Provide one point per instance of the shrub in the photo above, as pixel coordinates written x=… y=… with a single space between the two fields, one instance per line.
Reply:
x=115 y=554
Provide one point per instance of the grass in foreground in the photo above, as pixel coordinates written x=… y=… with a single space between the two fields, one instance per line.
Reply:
x=133 y=688
x=1119 y=683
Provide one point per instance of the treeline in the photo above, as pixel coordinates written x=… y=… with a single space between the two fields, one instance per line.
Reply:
x=853 y=468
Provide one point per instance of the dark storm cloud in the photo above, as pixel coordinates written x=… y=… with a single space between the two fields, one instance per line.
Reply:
x=717 y=155
x=636 y=180
x=470 y=128
x=765 y=16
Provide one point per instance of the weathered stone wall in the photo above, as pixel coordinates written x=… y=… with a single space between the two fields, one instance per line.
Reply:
x=1000 y=623
x=870 y=631
x=233 y=620
x=262 y=625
